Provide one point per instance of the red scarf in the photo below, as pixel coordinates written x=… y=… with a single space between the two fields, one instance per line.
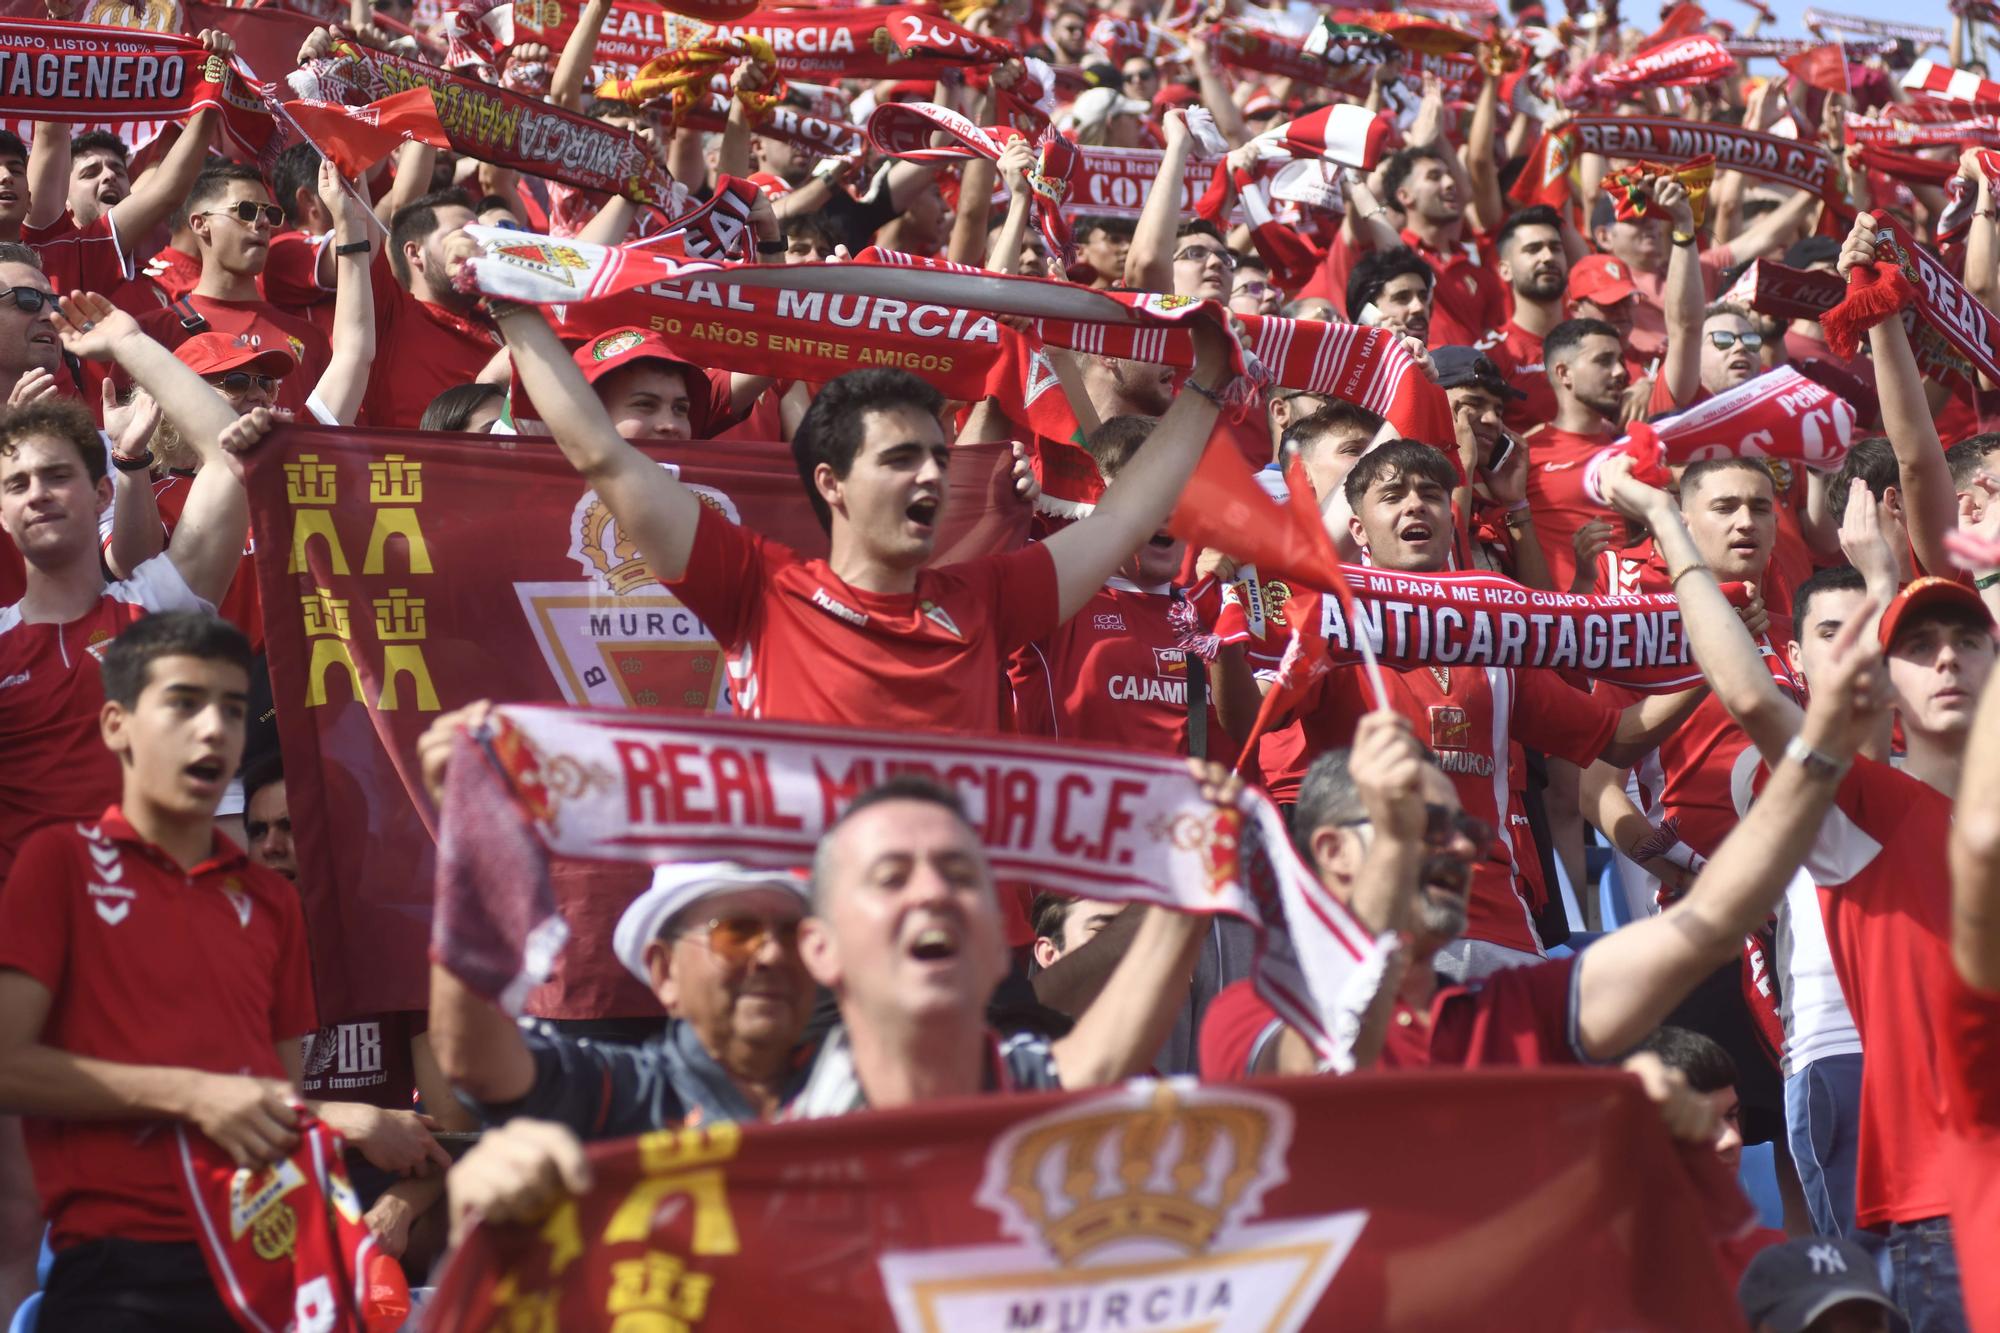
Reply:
x=826 y=45
x=1819 y=20
x=1887 y=131
x=1678 y=62
x=1946 y=84
x=286 y=1245
x=75 y=72
x=1779 y=414
x=820 y=135
x=905 y=129
x=1905 y=276
x=1769 y=288
x=1253 y=50
x=1765 y=156
x=497 y=125
x=1631 y=190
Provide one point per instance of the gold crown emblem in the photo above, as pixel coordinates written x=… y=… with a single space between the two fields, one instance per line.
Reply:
x=1174 y=1170
x=611 y=552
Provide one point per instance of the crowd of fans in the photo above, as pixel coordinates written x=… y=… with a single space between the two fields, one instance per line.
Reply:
x=1809 y=953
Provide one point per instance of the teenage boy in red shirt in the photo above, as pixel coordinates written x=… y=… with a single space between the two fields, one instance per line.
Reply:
x=149 y=973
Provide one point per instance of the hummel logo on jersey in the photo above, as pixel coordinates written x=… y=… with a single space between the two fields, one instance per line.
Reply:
x=825 y=602
x=239 y=900
x=18 y=678
x=940 y=617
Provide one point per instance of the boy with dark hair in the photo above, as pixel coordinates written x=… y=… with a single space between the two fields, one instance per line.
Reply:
x=103 y=923
x=1392 y=289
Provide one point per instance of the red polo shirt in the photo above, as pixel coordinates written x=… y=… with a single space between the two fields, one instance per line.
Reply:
x=1468 y=297
x=420 y=351
x=1518 y=354
x=147 y=964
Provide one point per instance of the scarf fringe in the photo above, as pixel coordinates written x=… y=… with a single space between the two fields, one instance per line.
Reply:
x=1874 y=293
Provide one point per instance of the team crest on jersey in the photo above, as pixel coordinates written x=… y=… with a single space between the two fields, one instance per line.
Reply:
x=1133 y=1209
x=232 y=889
x=617 y=637
x=1170 y=663
x=99 y=643
x=940 y=617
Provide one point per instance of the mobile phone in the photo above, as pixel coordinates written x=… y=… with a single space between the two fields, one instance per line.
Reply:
x=1501 y=452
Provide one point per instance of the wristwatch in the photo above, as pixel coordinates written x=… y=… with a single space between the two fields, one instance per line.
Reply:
x=1823 y=767
x=1683 y=238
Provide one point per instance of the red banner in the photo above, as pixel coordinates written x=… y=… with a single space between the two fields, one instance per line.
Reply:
x=1765 y=156
x=1112 y=182
x=409 y=574
x=1274 y=1205
x=1895 y=132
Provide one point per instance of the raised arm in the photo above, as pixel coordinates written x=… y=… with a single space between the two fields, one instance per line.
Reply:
x=164 y=188
x=344 y=382
x=1628 y=982
x=207 y=545
x=1643 y=725
x=1929 y=500
x=651 y=507
x=1004 y=255
x=1134 y=506
x=1685 y=297
x=137 y=535
x=566 y=86
x=1729 y=658
x=1489 y=206
x=1149 y=262
x=1975 y=850
x=48 y=173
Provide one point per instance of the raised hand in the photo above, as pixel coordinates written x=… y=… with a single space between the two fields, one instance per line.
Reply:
x=91 y=327
x=1387 y=765
x=1592 y=540
x=1859 y=247
x=131 y=424
x=33 y=386
x=1850 y=693
x=1865 y=545
x=434 y=747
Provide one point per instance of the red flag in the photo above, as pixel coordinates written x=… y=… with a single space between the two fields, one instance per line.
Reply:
x=1823 y=67
x=1545 y=178
x=1680 y=21
x=357 y=137
x=1224 y=508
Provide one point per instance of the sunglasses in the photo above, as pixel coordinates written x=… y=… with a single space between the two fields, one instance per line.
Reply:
x=737 y=939
x=30 y=300
x=239 y=382
x=1722 y=341
x=1255 y=288
x=248 y=212
x=1140 y=75
x=1201 y=254
x=1440 y=823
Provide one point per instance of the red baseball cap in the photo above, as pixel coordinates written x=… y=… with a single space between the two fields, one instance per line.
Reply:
x=771 y=184
x=1261 y=103
x=606 y=352
x=219 y=353
x=1600 y=278
x=1931 y=593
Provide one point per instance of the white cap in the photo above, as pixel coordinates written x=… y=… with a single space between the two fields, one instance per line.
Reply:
x=1096 y=106
x=681 y=885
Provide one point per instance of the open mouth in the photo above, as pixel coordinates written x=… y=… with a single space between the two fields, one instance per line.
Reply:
x=923 y=512
x=934 y=944
x=207 y=771
x=1415 y=533
x=1161 y=541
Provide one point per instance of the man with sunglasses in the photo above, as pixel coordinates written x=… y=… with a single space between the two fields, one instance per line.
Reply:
x=1382 y=827
x=717 y=944
x=233 y=220
x=1710 y=348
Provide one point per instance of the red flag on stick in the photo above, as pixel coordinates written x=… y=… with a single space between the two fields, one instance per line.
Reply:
x=1823 y=67
x=357 y=137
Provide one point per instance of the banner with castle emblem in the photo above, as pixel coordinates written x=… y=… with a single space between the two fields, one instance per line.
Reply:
x=1266 y=1207
x=414 y=573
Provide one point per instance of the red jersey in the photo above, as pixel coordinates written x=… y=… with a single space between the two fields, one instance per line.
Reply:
x=174 y=272
x=1517 y=1018
x=805 y=646
x=1114 y=672
x=1662 y=397
x=1649 y=312
x=119 y=934
x=1968 y=1034
x=430 y=348
x=1518 y=355
x=1468 y=716
x=1885 y=891
x=83 y=258
x=240 y=605
x=1556 y=497
x=57 y=767
x=1467 y=297
x=261 y=321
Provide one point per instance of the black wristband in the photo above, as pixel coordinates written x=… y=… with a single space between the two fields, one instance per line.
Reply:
x=353 y=248
x=139 y=464
x=765 y=247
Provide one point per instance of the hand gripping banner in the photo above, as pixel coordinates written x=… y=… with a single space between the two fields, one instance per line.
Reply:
x=590 y=785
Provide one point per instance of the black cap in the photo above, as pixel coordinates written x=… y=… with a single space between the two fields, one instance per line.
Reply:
x=1470 y=368
x=1812 y=250
x=1788 y=1286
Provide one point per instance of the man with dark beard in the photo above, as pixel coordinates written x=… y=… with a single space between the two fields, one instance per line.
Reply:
x=1535 y=266
x=1587 y=375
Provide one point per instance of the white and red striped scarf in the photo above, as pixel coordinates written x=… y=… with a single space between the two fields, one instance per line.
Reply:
x=1678 y=62
x=1946 y=84
x=904 y=129
x=1072 y=819
x=1779 y=414
x=1820 y=20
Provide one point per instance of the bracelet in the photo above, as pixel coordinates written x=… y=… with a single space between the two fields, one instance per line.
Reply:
x=1985 y=581
x=1682 y=238
x=1675 y=580
x=501 y=309
x=1215 y=396
x=1817 y=765
x=139 y=464
x=353 y=248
